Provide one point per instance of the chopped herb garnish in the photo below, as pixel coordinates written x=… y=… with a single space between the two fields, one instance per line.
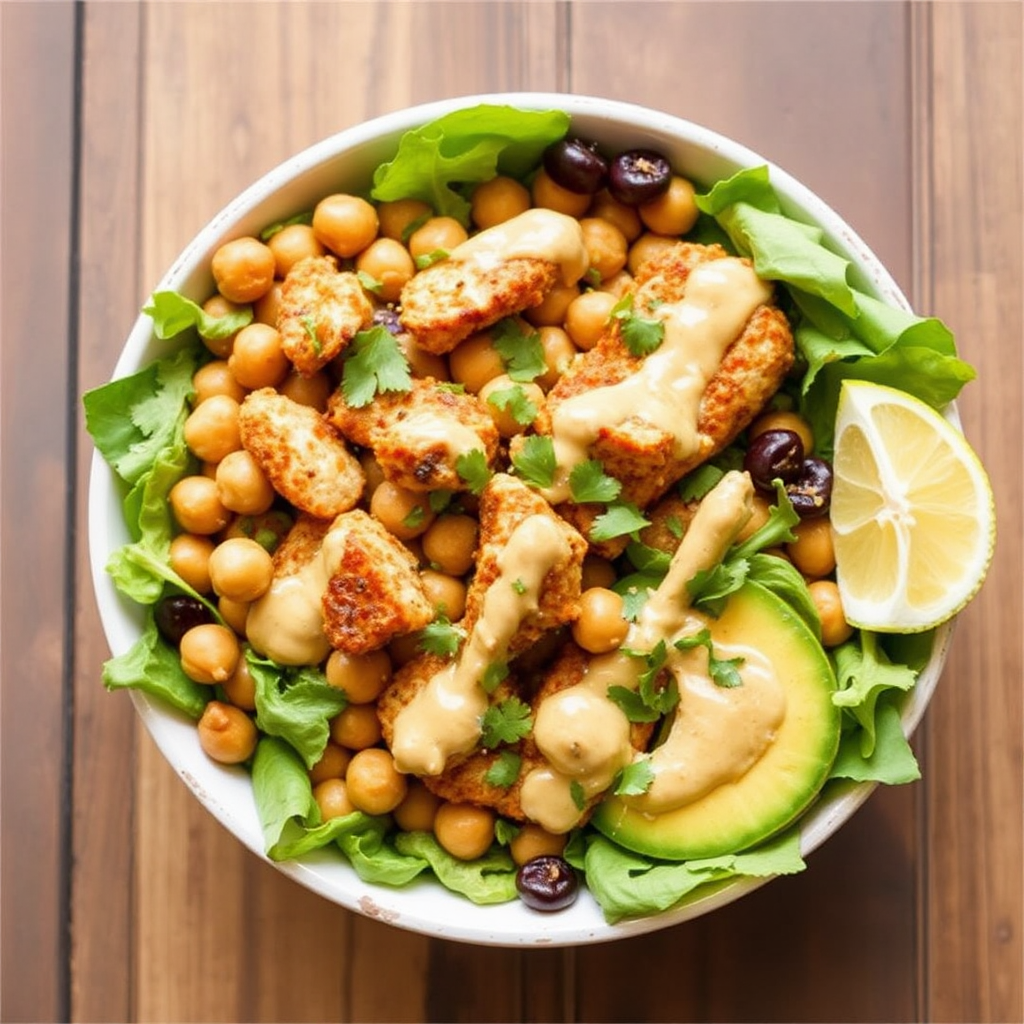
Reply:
x=373 y=363
x=589 y=482
x=504 y=770
x=619 y=519
x=504 y=830
x=414 y=518
x=495 y=673
x=578 y=794
x=724 y=672
x=306 y=217
x=517 y=402
x=441 y=637
x=309 y=326
x=647 y=703
x=428 y=259
x=534 y=460
x=473 y=469
x=635 y=779
x=439 y=500
x=505 y=722
x=520 y=350
x=640 y=335
x=674 y=525
x=369 y=282
x=518 y=586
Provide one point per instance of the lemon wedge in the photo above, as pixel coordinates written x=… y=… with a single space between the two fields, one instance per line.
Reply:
x=913 y=515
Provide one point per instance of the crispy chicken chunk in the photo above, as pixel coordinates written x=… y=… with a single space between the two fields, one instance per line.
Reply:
x=418 y=435
x=303 y=458
x=321 y=311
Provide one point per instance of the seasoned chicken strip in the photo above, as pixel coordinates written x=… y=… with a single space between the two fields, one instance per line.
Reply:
x=417 y=436
x=321 y=311
x=305 y=460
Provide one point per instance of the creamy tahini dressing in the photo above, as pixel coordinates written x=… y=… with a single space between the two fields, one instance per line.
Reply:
x=666 y=389
x=444 y=718
x=429 y=427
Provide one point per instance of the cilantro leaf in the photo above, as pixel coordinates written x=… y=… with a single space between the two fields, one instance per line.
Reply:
x=534 y=460
x=517 y=402
x=520 y=350
x=441 y=637
x=634 y=590
x=494 y=675
x=647 y=703
x=578 y=794
x=621 y=518
x=504 y=770
x=506 y=721
x=473 y=469
x=373 y=363
x=306 y=217
x=589 y=482
x=635 y=779
x=640 y=335
x=724 y=672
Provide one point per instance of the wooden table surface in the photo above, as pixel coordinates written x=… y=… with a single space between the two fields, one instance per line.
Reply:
x=125 y=127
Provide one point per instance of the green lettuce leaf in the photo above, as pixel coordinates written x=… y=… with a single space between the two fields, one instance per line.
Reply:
x=172 y=314
x=891 y=760
x=486 y=880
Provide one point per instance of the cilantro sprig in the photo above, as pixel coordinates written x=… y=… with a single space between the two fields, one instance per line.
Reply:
x=505 y=721
x=517 y=402
x=534 y=460
x=373 y=363
x=648 y=702
x=520 y=350
x=588 y=482
x=641 y=335
x=724 y=672
x=441 y=637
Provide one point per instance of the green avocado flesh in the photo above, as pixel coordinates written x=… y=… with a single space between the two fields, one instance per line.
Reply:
x=782 y=783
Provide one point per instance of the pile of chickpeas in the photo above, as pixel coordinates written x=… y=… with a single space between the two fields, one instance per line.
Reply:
x=230 y=518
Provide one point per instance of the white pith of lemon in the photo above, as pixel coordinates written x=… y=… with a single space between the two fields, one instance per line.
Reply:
x=912 y=512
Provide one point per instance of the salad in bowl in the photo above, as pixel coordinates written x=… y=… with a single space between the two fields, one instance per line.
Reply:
x=532 y=519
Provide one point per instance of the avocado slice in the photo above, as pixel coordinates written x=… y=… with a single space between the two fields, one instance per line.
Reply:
x=779 y=786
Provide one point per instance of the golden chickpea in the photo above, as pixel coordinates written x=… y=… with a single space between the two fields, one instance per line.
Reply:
x=624 y=217
x=240 y=688
x=600 y=626
x=331 y=796
x=209 y=653
x=371 y=469
x=551 y=310
x=784 y=419
x=267 y=308
x=497 y=201
x=559 y=352
x=436 y=234
x=404 y=513
x=333 y=763
x=257 y=359
x=445 y=593
x=606 y=245
x=464 y=830
x=759 y=511
x=646 y=246
x=196 y=506
x=674 y=212
x=834 y=627
x=312 y=391
x=363 y=677
x=422 y=363
x=226 y=733
x=389 y=264
x=216 y=378
x=546 y=193
x=189 y=557
x=356 y=727
x=217 y=306
x=586 y=319
x=619 y=284
x=813 y=552
x=399 y=217
x=345 y=224
x=241 y=569
x=450 y=543
x=211 y=430
x=235 y=614
x=533 y=841
x=513 y=406
x=292 y=243
x=417 y=810
x=242 y=486
x=243 y=269
x=475 y=361
x=597 y=572
x=375 y=785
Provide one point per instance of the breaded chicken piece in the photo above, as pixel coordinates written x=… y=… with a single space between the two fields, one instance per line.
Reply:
x=305 y=460
x=321 y=311
x=669 y=519
x=374 y=592
x=418 y=435
x=300 y=545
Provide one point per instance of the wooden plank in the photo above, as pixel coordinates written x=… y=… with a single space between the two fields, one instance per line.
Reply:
x=37 y=64
x=972 y=272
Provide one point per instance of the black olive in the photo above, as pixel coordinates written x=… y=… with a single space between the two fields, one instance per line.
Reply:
x=547 y=883
x=775 y=454
x=576 y=165
x=811 y=492
x=638 y=176
x=177 y=614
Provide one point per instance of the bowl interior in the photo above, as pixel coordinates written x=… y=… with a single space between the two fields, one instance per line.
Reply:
x=345 y=162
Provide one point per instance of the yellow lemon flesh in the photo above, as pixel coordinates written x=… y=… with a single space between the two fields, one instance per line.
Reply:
x=913 y=515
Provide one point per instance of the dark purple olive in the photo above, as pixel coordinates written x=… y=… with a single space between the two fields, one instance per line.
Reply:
x=775 y=454
x=547 y=883
x=638 y=176
x=811 y=492
x=576 y=165
x=386 y=317
x=177 y=614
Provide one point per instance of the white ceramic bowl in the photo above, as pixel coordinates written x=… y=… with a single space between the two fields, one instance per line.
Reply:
x=346 y=161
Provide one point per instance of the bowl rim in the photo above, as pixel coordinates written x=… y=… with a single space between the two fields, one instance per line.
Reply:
x=226 y=792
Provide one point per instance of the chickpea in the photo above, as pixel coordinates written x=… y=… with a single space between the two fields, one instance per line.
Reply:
x=267 y=308
x=674 y=212
x=240 y=687
x=450 y=543
x=196 y=506
x=625 y=218
x=404 y=648
x=345 y=224
x=619 y=284
x=464 y=830
x=646 y=246
x=606 y=245
x=390 y=264
x=371 y=469
x=226 y=733
x=363 y=677
x=189 y=557
x=257 y=359
x=242 y=486
x=241 y=569
x=475 y=361
x=436 y=234
x=292 y=243
x=216 y=378
x=416 y=811
x=331 y=796
x=446 y=593
x=760 y=509
x=597 y=572
x=813 y=552
x=217 y=306
x=209 y=653
x=422 y=363
x=312 y=391
x=268 y=528
x=600 y=626
x=235 y=614
x=586 y=319
x=375 y=785
x=551 y=310
x=559 y=352
x=243 y=269
x=497 y=201
x=211 y=430
x=784 y=419
x=400 y=217
x=356 y=727
x=404 y=513
x=834 y=627
x=533 y=841
x=503 y=396
x=546 y=193
x=333 y=763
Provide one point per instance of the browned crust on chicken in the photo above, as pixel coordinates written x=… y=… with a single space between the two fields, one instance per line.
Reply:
x=450 y=300
x=669 y=518
x=321 y=310
x=300 y=545
x=374 y=592
x=423 y=459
